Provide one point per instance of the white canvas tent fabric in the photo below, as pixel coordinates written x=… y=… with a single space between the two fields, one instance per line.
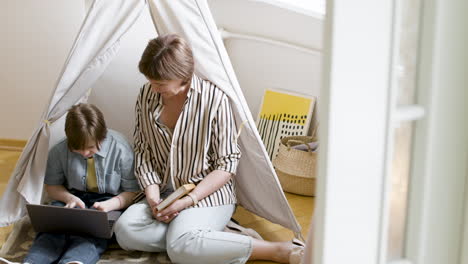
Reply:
x=96 y=45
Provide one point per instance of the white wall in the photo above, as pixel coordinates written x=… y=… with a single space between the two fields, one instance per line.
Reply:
x=36 y=37
x=261 y=66
x=258 y=65
x=115 y=92
x=29 y=74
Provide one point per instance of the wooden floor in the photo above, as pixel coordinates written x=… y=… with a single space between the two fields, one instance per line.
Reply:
x=301 y=205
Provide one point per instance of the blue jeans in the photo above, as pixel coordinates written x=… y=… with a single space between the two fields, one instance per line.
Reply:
x=63 y=248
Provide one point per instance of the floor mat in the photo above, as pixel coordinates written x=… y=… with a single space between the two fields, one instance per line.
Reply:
x=20 y=239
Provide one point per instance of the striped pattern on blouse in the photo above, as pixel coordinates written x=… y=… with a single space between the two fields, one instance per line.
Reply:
x=203 y=140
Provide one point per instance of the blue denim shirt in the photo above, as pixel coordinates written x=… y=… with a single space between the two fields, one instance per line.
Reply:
x=113 y=162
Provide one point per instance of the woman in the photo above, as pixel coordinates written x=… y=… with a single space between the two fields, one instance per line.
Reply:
x=185 y=133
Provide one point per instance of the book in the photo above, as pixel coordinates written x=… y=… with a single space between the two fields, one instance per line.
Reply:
x=177 y=194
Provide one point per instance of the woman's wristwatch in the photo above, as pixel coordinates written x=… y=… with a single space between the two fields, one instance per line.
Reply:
x=193 y=197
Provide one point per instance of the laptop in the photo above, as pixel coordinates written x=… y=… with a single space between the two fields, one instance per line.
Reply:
x=48 y=218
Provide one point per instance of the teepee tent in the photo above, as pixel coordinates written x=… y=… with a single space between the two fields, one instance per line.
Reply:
x=97 y=44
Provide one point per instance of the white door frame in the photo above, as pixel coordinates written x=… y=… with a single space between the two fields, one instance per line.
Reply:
x=437 y=197
x=353 y=131
x=356 y=113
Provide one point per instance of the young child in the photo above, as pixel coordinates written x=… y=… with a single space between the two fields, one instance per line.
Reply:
x=92 y=167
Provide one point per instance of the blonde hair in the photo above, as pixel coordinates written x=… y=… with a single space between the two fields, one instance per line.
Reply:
x=84 y=125
x=167 y=57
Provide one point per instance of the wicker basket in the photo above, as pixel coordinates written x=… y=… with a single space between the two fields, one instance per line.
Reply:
x=296 y=168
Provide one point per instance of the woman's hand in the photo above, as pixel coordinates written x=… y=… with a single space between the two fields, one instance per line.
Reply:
x=73 y=202
x=152 y=206
x=152 y=196
x=169 y=213
x=152 y=202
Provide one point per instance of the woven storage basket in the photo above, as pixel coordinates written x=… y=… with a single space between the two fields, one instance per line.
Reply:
x=296 y=168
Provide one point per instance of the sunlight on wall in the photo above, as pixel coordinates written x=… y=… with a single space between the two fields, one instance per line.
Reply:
x=317 y=6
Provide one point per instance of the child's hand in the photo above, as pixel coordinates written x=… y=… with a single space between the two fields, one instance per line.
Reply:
x=103 y=206
x=75 y=202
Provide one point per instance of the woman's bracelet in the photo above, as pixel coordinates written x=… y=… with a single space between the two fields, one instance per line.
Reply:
x=193 y=197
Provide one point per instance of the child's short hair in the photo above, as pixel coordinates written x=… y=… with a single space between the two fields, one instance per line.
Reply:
x=84 y=125
x=167 y=57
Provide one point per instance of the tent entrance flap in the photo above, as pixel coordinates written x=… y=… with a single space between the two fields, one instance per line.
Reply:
x=128 y=24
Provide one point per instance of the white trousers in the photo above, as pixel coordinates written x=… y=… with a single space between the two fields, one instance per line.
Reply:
x=194 y=236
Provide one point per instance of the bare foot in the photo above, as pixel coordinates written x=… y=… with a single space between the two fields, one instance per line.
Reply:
x=283 y=251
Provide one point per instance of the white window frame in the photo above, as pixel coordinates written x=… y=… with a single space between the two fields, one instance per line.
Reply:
x=357 y=113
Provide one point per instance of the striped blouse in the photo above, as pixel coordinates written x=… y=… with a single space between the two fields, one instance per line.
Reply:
x=203 y=140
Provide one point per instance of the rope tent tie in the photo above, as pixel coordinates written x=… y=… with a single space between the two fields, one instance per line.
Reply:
x=240 y=129
x=47 y=122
